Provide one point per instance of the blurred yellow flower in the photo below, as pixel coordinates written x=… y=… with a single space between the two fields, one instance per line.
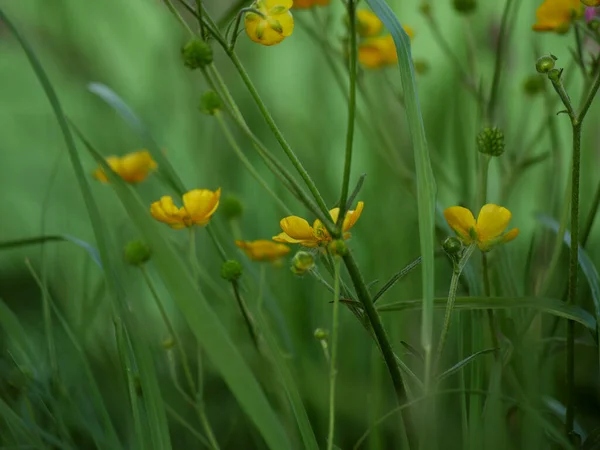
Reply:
x=591 y=2
x=487 y=231
x=379 y=51
x=557 y=15
x=133 y=167
x=273 y=24
x=263 y=250
x=368 y=24
x=198 y=207
x=301 y=4
x=296 y=230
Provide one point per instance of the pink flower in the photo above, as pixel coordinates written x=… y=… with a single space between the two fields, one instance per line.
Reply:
x=590 y=13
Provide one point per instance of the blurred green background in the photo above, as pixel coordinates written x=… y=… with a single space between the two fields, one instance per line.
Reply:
x=134 y=48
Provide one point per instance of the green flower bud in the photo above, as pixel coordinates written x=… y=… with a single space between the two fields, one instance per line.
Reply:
x=425 y=8
x=490 y=141
x=231 y=207
x=321 y=334
x=421 y=66
x=545 y=63
x=338 y=247
x=554 y=75
x=533 y=84
x=168 y=343
x=302 y=262
x=231 y=270
x=210 y=103
x=196 y=54
x=137 y=253
x=452 y=246
x=464 y=6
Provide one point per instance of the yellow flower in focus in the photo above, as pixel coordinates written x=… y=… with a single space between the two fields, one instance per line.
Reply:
x=368 y=23
x=379 y=51
x=263 y=250
x=274 y=25
x=198 y=207
x=296 y=230
x=487 y=231
x=303 y=4
x=133 y=167
x=557 y=15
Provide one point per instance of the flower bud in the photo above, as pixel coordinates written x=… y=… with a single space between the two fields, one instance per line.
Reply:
x=533 y=85
x=338 y=247
x=452 y=246
x=302 y=262
x=210 y=103
x=490 y=141
x=137 y=253
x=425 y=8
x=168 y=343
x=421 y=66
x=554 y=75
x=321 y=334
x=545 y=63
x=231 y=270
x=231 y=207
x=196 y=54
x=464 y=6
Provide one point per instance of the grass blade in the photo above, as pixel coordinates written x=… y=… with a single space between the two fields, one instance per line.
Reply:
x=459 y=365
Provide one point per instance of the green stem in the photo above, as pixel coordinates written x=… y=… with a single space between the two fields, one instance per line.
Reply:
x=278 y=135
x=175 y=13
x=245 y=313
x=238 y=151
x=351 y=114
x=589 y=223
x=490 y=312
x=334 y=345
x=215 y=239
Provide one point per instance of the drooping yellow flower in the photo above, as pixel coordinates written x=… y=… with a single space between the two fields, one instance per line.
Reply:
x=379 y=51
x=302 y=4
x=368 y=24
x=133 y=167
x=263 y=250
x=198 y=207
x=273 y=24
x=487 y=231
x=557 y=15
x=296 y=230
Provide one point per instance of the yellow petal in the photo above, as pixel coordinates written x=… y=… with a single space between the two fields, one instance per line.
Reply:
x=461 y=220
x=165 y=211
x=510 y=235
x=115 y=164
x=201 y=204
x=368 y=23
x=297 y=228
x=136 y=166
x=370 y=54
x=556 y=15
x=352 y=216
x=287 y=23
x=263 y=250
x=492 y=221
x=273 y=3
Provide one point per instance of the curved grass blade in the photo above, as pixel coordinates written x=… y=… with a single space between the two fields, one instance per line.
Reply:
x=397 y=277
x=12 y=326
x=117 y=103
x=426 y=187
x=200 y=317
x=459 y=365
x=90 y=249
x=547 y=305
x=159 y=432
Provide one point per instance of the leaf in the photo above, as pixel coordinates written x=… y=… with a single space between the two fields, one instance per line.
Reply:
x=548 y=305
x=459 y=365
x=426 y=187
x=397 y=277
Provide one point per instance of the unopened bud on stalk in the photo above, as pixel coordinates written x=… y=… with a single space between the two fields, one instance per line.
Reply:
x=210 y=103
x=196 y=54
x=554 y=75
x=231 y=270
x=421 y=66
x=231 y=207
x=490 y=141
x=545 y=63
x=452 y=246
x=302 y=262
x=533 y=84
x=321 y=334
x=137 y=253
x=464 y=6
x=338 y=247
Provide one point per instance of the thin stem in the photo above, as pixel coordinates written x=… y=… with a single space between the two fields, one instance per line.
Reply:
x=236 y=27
x=175 y=13
x=215 y=239
x=490 y=312
x=579 y=46
x=246 y=162
x=245 y=313
x=589 y=223
x=352 y=66
x=334 y=345
x=454 y=282
x=491 y=110
x=200 y=21
x=589 y=99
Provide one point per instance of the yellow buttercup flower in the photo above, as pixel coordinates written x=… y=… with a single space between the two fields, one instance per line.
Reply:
x=302 y=4
x=263 y=250
x=379 y=51
x=368 y=24
x=133 y=167
x=296 y=230
x=557 y=15
x=198 y=207
x=273 y=24
x=487 y=231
